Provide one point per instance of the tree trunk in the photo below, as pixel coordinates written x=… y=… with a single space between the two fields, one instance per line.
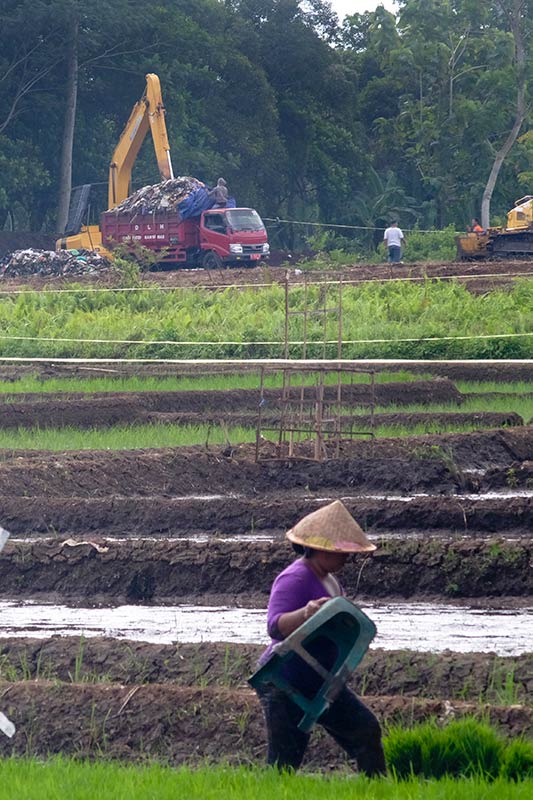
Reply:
x=515 y=14
x=65 y=179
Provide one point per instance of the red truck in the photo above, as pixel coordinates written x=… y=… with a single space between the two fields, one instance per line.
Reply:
x=218 y=237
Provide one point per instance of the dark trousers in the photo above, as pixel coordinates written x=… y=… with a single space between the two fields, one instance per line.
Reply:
x=353 y=726
x=395 y=254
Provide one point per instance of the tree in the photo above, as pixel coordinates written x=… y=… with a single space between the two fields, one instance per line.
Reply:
x=515 y=11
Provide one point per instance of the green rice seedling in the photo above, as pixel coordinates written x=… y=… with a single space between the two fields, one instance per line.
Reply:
x=502 y=687
x=518 y=761
x=403 y=751
x=463 y=748
x=119 y=438
x=206 y=382
x=127 y=437
x=77 y=675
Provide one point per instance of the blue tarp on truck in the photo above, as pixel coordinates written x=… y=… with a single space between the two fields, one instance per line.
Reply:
x=198 y=201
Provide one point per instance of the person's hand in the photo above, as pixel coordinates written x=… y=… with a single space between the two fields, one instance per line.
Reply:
x=313 y=606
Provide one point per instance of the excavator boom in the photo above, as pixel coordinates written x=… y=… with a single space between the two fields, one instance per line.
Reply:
x=147 y=113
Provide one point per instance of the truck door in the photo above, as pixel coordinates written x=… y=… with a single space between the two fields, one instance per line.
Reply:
x=214 y=234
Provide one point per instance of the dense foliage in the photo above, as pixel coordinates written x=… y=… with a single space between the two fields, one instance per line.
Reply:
x=395 y=319
x=305 y=117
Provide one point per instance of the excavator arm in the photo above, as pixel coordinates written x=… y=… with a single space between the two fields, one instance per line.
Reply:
x=147 y=113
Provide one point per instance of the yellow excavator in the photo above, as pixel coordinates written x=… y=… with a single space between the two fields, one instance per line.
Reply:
x=147 y=113
x=513 y=241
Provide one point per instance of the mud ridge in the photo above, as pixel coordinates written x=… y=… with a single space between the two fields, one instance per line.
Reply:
x=436 y=460
x=461 y=676
x=173 y=571
x=269 y=515
x=184 y=472
x=100 y=413
x=189 y=725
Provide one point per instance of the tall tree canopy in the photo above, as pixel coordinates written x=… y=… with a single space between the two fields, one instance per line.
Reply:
x=304 y=116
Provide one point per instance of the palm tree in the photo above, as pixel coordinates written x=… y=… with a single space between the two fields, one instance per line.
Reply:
x=382 y=200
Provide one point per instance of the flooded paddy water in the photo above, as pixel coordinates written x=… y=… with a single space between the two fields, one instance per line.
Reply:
x=426 y=627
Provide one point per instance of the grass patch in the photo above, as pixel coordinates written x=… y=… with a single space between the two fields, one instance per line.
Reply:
x=512 y=403
x=62 y=778
x=208 y=382
x=380 y=320
x=132 y=437
x=126 y=437
x=519 y=387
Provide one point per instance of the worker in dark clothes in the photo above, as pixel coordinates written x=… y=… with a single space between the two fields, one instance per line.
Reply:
x=219 y=194
x=324 y=539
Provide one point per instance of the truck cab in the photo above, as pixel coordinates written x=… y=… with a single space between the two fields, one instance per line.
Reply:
x=231 y=236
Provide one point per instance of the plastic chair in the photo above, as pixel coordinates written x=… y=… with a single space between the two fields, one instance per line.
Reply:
x=330 y=644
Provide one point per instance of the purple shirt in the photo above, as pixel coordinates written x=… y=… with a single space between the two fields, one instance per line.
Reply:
x=292 y=589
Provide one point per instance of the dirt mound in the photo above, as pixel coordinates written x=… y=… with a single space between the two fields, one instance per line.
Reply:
x=172 y=571
x=188 y=725
x=462 y=676
x=518 y=475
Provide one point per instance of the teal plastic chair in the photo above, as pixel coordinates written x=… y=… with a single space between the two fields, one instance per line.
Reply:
x=331 y=644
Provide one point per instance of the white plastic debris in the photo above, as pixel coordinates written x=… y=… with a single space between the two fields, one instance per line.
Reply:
x=4 y=536
x=21 y=263
x=162 y=196
x=6 y=726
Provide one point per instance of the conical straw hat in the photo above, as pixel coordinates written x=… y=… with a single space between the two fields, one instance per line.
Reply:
x=331 y=528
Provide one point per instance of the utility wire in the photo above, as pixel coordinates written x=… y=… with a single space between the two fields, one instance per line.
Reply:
x=315 y=282
x=352 y=227
x=318 y=342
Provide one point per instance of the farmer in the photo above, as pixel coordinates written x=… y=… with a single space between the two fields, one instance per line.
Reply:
x=324 y=539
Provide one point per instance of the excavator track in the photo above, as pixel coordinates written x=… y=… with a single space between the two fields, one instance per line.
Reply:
x=512 y=244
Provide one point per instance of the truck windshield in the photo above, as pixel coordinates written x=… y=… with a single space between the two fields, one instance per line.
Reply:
x=244 y=219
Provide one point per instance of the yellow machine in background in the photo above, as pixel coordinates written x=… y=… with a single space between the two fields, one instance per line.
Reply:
x=147 y=113
x=515 y=240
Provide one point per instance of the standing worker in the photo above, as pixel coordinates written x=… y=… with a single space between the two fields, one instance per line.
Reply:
x=393 y=238
x=324 y=539
x=219 y=194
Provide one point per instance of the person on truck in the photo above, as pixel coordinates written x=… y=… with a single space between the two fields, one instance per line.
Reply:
x=219 y=194
x=324 y=541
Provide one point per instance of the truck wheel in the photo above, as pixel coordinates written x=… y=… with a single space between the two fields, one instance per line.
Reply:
x=211 y=260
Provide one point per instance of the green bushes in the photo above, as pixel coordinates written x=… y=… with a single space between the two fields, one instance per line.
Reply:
x=397 y=319
x=430 y=245
x=466 y=748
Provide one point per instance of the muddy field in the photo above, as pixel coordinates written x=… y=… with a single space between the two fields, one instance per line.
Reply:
x=478 y=276
x=452 y=516
x=189 y=725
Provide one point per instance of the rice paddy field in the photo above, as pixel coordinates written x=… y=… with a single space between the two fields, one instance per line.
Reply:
x=147 y=503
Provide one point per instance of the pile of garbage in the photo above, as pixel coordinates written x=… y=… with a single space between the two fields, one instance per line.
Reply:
x=165 y=196
x=23 y=263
